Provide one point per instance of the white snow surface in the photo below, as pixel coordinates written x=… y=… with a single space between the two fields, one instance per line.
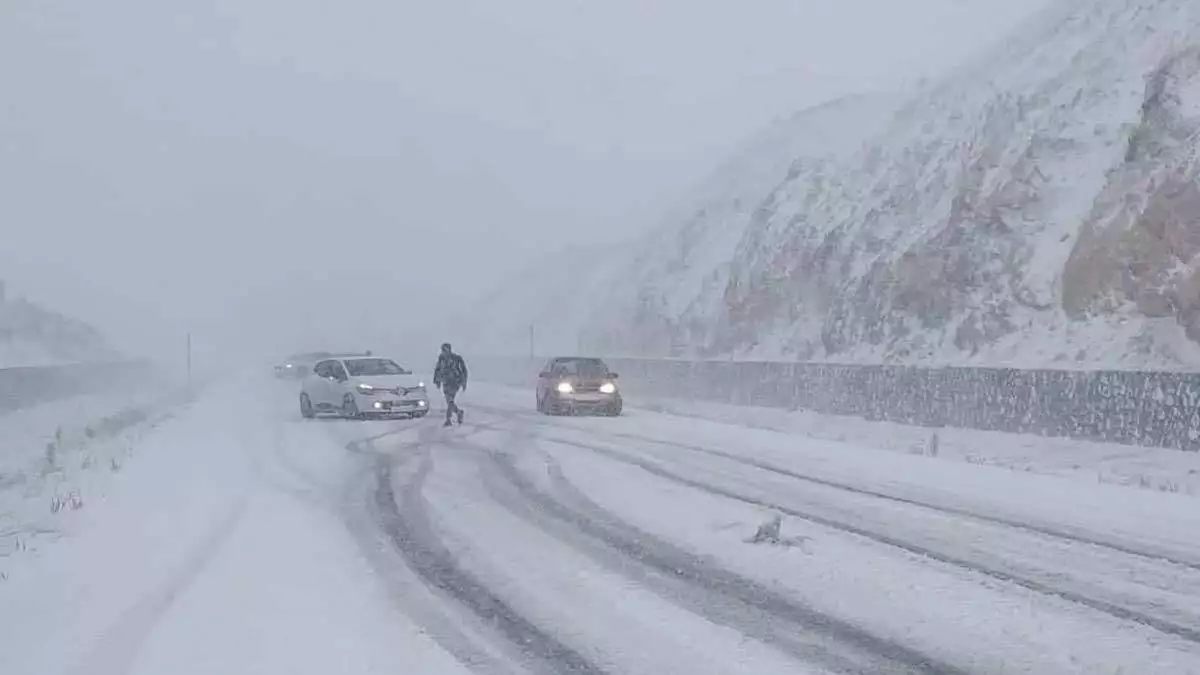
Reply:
x=1139 y=467
x=69 y=447
x=215 y=552
x=239 y=538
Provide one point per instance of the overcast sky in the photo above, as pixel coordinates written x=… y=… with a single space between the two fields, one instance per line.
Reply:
x=288 y=172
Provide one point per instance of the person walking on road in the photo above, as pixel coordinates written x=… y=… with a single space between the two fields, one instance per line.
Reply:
x=450 y=375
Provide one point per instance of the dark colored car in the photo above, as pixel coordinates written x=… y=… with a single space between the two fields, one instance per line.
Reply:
x=297 y=365
x=577 y=384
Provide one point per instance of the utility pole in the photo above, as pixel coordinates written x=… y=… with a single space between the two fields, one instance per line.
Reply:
x=189 y=359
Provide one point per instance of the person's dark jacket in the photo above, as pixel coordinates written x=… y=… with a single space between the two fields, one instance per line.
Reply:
x=450 y=372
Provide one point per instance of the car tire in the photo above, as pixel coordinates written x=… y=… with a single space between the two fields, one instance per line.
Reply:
x=306 y=409
x=541 y=405
x=614 y=410
x=350 y=407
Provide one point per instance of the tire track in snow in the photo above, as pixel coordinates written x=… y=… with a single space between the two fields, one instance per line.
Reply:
x=406 y=523
x=716 y=594
x=1106 y=607
x=406 y=591
x=411 y=596
x=354 y=504
x=951 y=510
x=1045 y=530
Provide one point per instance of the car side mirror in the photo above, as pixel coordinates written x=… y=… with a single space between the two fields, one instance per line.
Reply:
x=544 y=373
x=613 y=375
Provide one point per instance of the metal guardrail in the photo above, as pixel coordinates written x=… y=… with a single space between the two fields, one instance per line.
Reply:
x=1149 y=408
x=28 y=386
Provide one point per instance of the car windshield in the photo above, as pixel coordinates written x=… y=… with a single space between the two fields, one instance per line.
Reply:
x=369 y=367
x=584 y=367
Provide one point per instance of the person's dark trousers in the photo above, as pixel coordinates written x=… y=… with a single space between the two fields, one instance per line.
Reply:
x=451 y=406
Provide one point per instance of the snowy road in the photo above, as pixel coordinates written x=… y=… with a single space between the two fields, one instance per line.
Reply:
x=246 y=540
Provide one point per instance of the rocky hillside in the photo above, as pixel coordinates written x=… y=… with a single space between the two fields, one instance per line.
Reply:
x=33 y=336
x=1041 y=206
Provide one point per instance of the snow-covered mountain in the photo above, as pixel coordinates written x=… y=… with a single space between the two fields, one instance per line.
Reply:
x=587 y=297
x=33 y=336
x=1040 y=206
x=674 y=282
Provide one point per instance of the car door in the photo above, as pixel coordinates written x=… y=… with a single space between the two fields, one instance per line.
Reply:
x=339 y=382
x=319 y=382
x=544 y=378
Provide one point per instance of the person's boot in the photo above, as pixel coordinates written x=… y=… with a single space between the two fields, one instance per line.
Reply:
x=460 y=415
x=447 y=422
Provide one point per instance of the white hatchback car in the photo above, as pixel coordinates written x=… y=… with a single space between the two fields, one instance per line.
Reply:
x=361 y=386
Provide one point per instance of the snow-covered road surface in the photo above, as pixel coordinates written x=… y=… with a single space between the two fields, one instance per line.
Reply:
x=246 y=540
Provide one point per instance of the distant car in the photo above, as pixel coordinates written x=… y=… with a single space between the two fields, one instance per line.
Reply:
x=362 y=386
x=578 y=384
x=297 y=366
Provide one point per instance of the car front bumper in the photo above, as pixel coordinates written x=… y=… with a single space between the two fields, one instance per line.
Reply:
x=392 y=405
x=584 y=400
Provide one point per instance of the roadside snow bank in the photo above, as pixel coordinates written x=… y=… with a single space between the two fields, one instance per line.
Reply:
x=56 y=456
x=1140 y=467
x=1135 y=467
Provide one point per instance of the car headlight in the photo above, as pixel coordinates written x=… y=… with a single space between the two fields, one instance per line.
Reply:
x=608 y=388
x=565 y=388
x=365 y=389
x=420 y=386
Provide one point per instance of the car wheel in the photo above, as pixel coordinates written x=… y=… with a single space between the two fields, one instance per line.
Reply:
x=306 y=409
x=614 y=410
x=350 y=407
x=541 y=407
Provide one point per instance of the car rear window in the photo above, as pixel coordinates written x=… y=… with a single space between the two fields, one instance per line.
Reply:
x=368 y=367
